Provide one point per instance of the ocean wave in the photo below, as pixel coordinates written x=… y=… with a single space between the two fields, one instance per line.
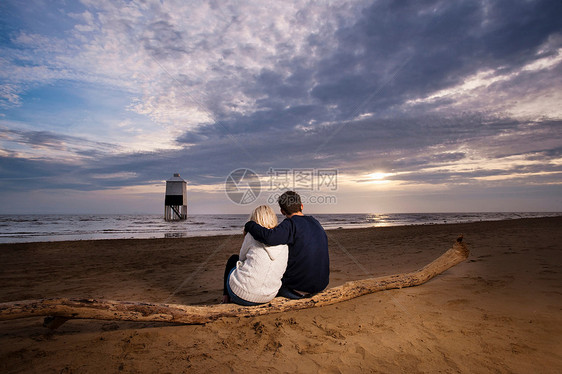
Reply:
x=19 y=228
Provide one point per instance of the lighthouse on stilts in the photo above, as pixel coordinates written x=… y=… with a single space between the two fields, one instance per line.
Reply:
x=175 y=203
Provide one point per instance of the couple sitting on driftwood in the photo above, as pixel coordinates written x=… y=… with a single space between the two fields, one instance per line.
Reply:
x=293 y=263
x=290 y=259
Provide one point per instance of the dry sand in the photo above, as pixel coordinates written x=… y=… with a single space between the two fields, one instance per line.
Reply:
x=499 y=312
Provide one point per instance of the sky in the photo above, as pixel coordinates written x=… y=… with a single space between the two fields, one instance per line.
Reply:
x=361 y=106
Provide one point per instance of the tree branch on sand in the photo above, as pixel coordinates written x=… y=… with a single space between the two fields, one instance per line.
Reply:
x=61 y=309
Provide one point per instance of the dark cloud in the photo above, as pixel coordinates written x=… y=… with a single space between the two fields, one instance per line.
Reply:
x=42 y=138
x=396 y=145
x=362 y=147
x=403 y=50
x=54 y=141
x=395 y=52
x=163 y=40
x=19 y=174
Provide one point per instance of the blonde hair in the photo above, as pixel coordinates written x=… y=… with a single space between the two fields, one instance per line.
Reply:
x=264 y=216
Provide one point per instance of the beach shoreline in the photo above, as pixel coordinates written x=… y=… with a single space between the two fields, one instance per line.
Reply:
x=498 y=311
x=71 y=227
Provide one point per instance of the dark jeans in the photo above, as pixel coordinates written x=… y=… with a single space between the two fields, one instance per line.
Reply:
x=230 y=264
x=290 y=294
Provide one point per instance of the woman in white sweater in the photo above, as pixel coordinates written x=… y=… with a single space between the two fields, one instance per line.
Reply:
x=254 y=276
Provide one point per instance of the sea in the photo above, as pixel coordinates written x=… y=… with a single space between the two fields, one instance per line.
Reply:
x=63 y=227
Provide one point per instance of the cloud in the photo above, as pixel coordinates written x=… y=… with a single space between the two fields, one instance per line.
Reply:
x=434 y=92
x=9 y=96
x=194 y=59
x=449 y=152
x=189 y=66
x=406 y=53
x=46 y=145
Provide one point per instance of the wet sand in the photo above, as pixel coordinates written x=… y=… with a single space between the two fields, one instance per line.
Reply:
x=500 y=311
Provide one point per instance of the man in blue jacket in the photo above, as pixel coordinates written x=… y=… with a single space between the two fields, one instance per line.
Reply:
x=308 y=268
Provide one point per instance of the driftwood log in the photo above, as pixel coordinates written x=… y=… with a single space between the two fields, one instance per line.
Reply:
x=61 y=309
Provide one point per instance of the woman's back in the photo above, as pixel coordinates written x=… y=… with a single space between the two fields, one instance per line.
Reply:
x=257 y=277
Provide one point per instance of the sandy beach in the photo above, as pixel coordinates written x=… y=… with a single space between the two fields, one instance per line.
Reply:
x=499 y=312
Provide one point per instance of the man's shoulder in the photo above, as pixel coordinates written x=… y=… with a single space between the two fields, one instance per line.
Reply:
x=308 y=221
x=308 y=218
x=287 y=222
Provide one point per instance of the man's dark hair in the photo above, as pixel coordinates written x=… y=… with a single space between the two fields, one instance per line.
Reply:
x=290 y=202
